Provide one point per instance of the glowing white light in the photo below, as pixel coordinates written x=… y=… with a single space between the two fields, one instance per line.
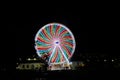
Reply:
x=112 y=60
x=52 y=54
x=105 y=60
x=34 y=59
x=28 y=59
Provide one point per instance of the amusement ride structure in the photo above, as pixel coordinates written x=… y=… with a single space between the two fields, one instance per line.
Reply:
x=55 y=43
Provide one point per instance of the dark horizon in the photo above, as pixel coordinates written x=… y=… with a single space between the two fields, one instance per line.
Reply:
x=91 y=33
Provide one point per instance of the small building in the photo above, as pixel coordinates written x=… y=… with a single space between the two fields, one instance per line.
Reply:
x=31 y=66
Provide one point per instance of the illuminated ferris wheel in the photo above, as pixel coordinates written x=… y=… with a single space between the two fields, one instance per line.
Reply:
x=56 y=41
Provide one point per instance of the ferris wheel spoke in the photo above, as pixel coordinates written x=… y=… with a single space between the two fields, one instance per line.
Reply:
x=52 y=54
x=63 y=54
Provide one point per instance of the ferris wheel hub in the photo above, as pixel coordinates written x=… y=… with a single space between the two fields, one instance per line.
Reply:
x=56 y=42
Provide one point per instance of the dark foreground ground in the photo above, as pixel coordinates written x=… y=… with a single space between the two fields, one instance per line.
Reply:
x=82 y=74
x=100 y=74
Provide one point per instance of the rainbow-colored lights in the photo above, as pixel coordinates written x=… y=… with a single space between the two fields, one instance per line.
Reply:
x=55 y=40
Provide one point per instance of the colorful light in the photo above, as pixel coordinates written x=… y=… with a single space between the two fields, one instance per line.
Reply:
x=57 y=41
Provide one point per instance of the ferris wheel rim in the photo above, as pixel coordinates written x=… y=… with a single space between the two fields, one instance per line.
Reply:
x=56 y=23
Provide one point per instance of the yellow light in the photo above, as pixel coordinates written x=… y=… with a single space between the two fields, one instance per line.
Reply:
x=34 y=59
x=28 y=59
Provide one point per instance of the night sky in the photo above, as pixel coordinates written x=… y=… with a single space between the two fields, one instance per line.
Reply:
x=95 y=30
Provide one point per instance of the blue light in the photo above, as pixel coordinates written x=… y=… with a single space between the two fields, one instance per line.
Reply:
x=57 y=42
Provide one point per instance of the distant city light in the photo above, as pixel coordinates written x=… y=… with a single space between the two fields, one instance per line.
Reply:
x=98 y=60
x=20 y=59
x=105 y=60
x=88 y=60
x=81 y=64
x=34 y=59
x=28 y=59
x=112 y=60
